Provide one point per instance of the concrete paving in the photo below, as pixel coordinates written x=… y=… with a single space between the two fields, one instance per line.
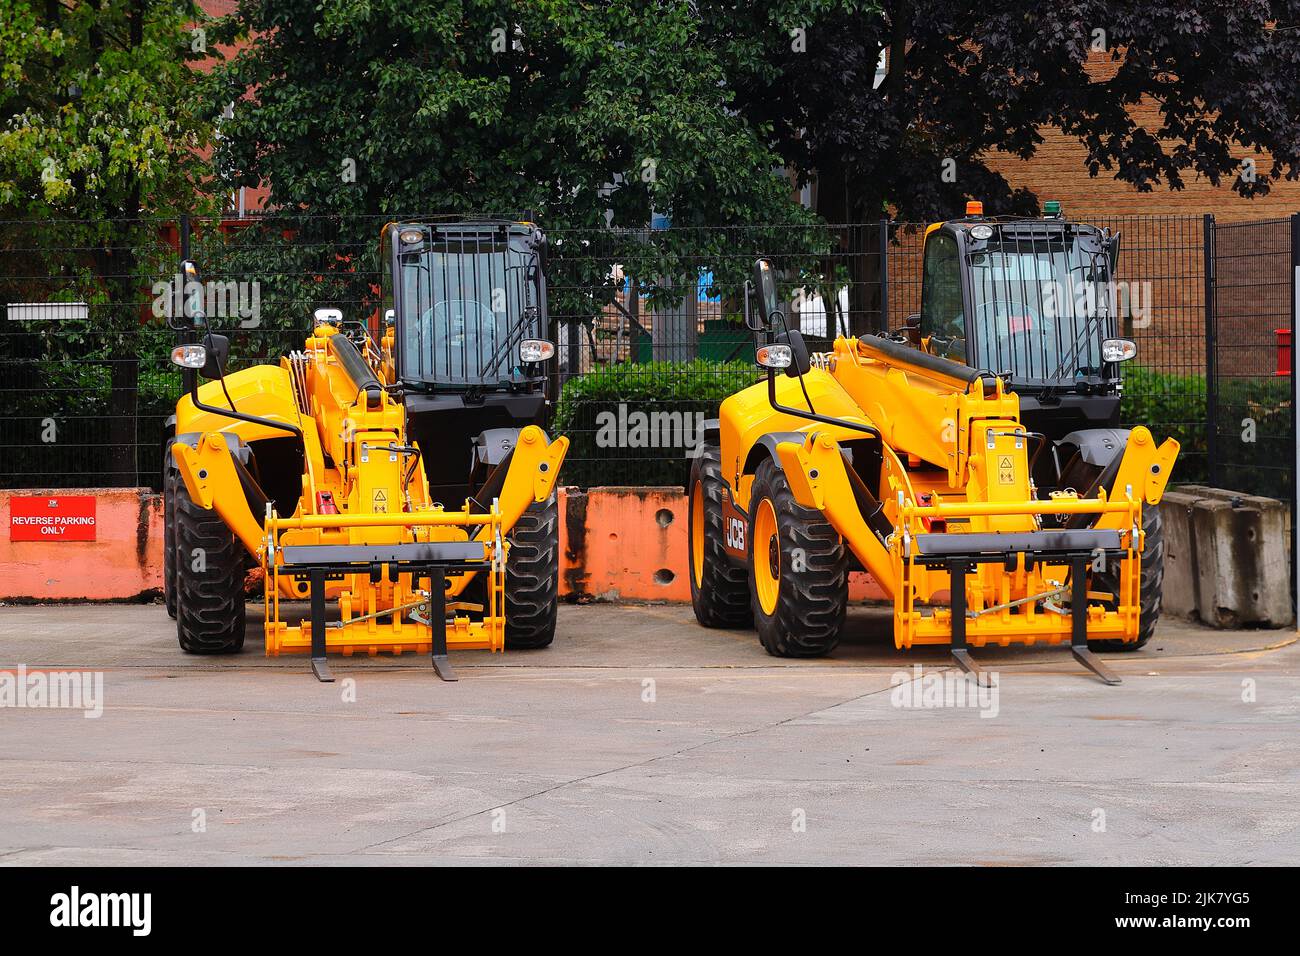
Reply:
x=643 y=738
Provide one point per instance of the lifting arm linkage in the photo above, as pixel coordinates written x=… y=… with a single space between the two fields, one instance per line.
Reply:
x=212 y=481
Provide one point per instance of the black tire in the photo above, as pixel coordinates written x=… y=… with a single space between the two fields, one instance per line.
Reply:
x=808 y=614
x=533 y=577
x=1150 y=587
x=719 y=587
x=209 y=599
x=171 y=477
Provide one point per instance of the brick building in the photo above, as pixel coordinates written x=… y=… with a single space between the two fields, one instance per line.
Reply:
x=1058 y=171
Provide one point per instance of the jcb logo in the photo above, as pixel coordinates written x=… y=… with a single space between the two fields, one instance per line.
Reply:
x=735 y=534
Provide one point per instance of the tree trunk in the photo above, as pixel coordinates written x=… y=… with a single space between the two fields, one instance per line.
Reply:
x=120 y=277
x=123 y=407
x=860 y=248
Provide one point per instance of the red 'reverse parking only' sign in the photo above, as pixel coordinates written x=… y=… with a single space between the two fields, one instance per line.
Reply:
x=52 y=518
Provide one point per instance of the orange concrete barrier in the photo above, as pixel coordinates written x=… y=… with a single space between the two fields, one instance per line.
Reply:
x=616 y=544
x=123 y=562
x=630 y=544
x=624 y=544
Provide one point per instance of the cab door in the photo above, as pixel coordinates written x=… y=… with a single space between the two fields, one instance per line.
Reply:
x=943 y=316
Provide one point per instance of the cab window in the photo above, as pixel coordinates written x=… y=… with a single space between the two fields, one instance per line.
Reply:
x=942 y=320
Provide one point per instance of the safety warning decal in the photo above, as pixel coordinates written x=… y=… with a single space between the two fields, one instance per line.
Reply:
x=379 y=501
x=1006 y=470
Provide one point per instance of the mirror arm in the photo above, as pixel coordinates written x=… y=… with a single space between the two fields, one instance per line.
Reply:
x=812 y=416
x=191 y=376
x=231 y=412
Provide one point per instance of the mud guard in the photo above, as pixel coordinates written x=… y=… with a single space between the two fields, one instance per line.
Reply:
x=1137 y=461
x=766 y=447
x=531 y=475
x=1098 y=446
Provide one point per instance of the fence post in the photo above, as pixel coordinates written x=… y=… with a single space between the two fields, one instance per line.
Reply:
x=884 y=275
x=1295 y=414
x=1211 y=372
x=573 y=346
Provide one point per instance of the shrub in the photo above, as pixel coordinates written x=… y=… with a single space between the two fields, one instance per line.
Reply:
x=1172 y=406
x=634 y=424
x=1253 y=422
x=1252 y=426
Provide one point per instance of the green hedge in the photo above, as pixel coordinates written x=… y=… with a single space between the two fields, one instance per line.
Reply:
x=1253 y=426
x=681 y=393
x=1171 y=405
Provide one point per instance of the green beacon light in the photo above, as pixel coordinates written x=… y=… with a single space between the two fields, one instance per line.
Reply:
x=1052 y=208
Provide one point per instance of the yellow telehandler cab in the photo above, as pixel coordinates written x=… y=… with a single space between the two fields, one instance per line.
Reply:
x=395 y=468
x=971 y=463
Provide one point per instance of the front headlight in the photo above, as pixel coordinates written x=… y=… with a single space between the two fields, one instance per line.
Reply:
x=1118 y=350
x=535 y=350
x=190 y=356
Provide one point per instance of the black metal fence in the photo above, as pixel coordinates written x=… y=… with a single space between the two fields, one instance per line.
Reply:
x=649 y=323
x=1250 y=363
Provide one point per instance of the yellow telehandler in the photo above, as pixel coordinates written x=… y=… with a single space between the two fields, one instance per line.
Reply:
x=972 y=462
x=395 y=468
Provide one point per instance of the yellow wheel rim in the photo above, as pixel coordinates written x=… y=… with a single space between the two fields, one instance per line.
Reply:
x=766 y=557
x=697 y=534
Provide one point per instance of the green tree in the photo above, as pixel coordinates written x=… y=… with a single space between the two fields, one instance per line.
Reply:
x=966 y=80
x=588 y=115
x=105 y=125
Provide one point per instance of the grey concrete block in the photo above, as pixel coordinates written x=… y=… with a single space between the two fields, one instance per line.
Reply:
x=1242 y=560
x=1180 y=584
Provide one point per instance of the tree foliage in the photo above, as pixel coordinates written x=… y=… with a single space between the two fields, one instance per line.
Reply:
x=104 y=125
x=966 y=80
x=103 y=117
x=584 y=115
x=567 y=108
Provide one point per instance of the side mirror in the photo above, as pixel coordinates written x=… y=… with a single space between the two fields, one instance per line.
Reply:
x=800 y=361
x=191 y=294
x=218 y=351
x=1112 y=254
x=1124 y=306
x=541 y=244
x=769 y=305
